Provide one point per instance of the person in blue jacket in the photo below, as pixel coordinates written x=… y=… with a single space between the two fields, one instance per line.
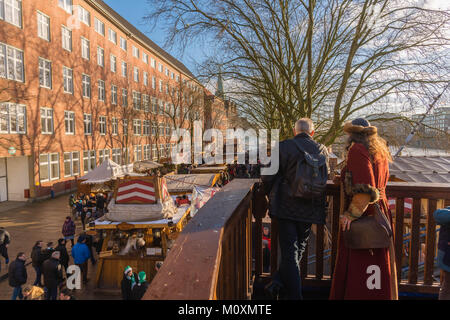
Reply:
x=442 y=217
x=81 y=255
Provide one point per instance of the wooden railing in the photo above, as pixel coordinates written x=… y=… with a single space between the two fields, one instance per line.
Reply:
x=213 y=256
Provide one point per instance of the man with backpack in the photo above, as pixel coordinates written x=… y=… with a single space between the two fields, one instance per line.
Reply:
x=296 y=200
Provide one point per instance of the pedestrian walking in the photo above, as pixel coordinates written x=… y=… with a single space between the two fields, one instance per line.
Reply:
x=5 y=240
x=68 y=230
x=128 y=282
x=17 y=275
x=100 y=205
x=442 y=217
x=363 y=192
x=141 y=286
x=84 y=214
x=64 y=255
x=79 y=207
x=52 y=271
x=33 y=293
x=294 y=208
x=37 y=258
x=81 y=255
x=91 y=245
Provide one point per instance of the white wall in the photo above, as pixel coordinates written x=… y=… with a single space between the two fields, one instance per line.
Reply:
x=18 y=178
x=3 y=187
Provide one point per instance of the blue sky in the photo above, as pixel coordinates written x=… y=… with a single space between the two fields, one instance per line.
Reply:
x=134 y=11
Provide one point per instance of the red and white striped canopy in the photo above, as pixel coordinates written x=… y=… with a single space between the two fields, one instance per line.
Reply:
x=136 y=191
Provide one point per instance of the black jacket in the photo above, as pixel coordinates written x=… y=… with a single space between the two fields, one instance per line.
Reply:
x=52 y=272
x=126 y=287
x=17 y=273
x=64 y=257
x=139 y=290
x=278 y=186
x=46 y=254
x=36 y=256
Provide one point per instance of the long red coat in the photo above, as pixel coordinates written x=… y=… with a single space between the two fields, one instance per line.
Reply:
x=353 y=268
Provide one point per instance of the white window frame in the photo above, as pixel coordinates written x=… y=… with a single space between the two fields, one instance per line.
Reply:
x=137 y=100
x=138 y=153
x=68 y=80
x=146 y=128
x=154 y=82
x=113 y=62
x=84 y=16
x=90 y=157
x=100 y=56
x=112 y=36
x=46 y=114
x=123 y=44
x=136 y=74
x=103 y=155
x=117 y=155
x=145 y=78
x=160 y=67
x=145 y=57
x=115 y=126
x=153 y=63
x=87 y=121
x=137 y=127
x=101 y=90
x=12 y=113
x=43 y=25
x=73 y=157
x=113 y=94
x=135 y=52
x=99 y=26
x=102 y=125
x=11 y=57
x=86 y=85
x=85 y=48
x=47 y=73
x=49 y=162
x=66 y=38
x=124 y=69
x=69 y=122
x=124 y=97
x=66 y=5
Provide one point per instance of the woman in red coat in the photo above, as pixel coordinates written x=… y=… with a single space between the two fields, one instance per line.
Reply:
x=364 y=273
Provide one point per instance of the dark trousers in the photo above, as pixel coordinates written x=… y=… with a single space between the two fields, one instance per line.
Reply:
x=51 y=293
x=444 y=292
x=84 y=270
x=38 y=282
x=293 y=239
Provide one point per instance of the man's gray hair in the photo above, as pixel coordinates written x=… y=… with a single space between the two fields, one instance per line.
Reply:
x=304 y=125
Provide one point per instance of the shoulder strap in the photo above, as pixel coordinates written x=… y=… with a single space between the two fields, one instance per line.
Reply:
x=299 y=146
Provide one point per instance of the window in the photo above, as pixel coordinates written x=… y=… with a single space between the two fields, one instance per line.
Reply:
x=43 y=26
x=161 y=151
x=46 y=121
x=85 y=48
x=45 y=73
x=161 y=107
x=136 y=74
x=125 y=127
x=13 y=118
x=66 y=38
x=154 y=105
x=11 y=11
x=103 y=155
x=113 y=63
x=161 y=129
x=153 y=82
x=167 y=88
x=100 y=56
x=68 y=80
x=171 y=75
x=49 y=167
x=84 y=15
x=135 y=52
x=71 y=164
x=167 y=72
x=124 y=97
x=11 y=63
x=153 y=63
x=86 y=82
x=87 y=119
x=147 y=152
x=154 y=151
x=115 y=126
x=89 y=161
x=102 y=125
x=154 y=129
x=99 y=26
x=146 y=128
x=146 y=102
x=66 y=5
x=137 y=153
x=168 y=130
x=136 y=100
x=69 y=122
x=145 y=57
x=160 y=67
x=137 y=127
x=101 y=90
x=123 y=44
x=113 y=94
x=178 y=78
x=124 y=69
x=145 y=78
x=112 y=36
x=160 y=86
x=117 y=156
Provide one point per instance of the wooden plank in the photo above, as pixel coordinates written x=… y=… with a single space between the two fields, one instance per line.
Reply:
x=273 y=246
x=418 y=190
x=190 y=270
x=398 y=235
x=319 y=250
x=335 y=230
x=430 y=247
x=414 y=243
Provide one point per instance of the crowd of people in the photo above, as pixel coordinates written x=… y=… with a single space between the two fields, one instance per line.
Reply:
x=134 y=286
x=88 y=206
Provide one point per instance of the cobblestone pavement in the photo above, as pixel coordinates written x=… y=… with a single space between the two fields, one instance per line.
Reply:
x=43 y=220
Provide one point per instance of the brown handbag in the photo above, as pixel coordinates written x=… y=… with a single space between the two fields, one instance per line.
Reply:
x=369 y=232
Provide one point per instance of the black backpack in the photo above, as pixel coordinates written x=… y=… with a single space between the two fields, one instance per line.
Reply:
x=311 y=175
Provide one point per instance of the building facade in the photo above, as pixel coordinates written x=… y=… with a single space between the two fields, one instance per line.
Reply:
x=78 y=85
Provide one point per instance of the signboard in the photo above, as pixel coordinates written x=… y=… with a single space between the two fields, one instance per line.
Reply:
x=12 y=151
x=105 y=254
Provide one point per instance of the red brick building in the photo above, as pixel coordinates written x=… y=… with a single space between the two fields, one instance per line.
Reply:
x=79 y=84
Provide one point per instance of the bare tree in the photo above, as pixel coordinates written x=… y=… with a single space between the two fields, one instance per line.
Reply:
x=328 y=60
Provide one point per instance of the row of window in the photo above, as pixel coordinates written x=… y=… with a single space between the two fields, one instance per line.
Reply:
x=49 y=163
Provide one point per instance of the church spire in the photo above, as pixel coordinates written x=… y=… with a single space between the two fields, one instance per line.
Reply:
x=219 y=92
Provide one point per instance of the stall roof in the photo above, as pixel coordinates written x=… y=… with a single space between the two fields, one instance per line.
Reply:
x=108 y=170
x=421 y=169
x=186 y=182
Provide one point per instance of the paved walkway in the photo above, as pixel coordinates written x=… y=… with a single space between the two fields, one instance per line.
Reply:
x=29 y=222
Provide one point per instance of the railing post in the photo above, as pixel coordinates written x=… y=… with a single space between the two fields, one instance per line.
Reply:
x=430 y=242
x=398 y=235
x=335 y=230
x=414 y=243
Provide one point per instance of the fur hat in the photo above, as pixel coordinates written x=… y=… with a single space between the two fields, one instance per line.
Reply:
x=127 y=269
x=360 y=125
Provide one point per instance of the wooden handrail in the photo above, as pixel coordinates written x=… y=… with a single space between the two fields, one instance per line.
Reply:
x=212 y=257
